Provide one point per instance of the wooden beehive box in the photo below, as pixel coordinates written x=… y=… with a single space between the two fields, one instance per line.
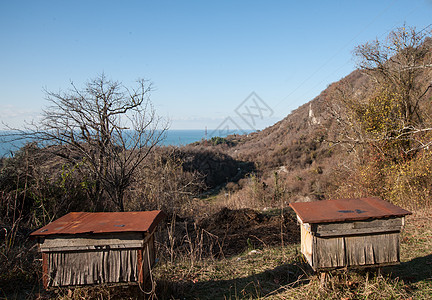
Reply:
x=83 y=248
x=350 y=232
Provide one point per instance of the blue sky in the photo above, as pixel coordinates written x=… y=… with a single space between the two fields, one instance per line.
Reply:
x=203 y=57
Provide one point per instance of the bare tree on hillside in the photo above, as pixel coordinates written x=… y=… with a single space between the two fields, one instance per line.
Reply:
x=107 y=127
x=398 y=64
x=396 y=116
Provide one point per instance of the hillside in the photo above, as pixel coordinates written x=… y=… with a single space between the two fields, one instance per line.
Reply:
x=308 y=154
x=300 y=148
x=306 y=129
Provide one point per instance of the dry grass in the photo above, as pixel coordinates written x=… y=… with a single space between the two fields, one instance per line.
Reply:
x=277 y=273
x=280 y=273
x=248 y=275
x=273 y=272
x=188 y=270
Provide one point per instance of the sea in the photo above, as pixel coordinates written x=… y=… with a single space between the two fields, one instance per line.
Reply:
x=174 y=137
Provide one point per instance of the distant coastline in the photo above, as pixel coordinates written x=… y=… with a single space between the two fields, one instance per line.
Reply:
x=174 y=137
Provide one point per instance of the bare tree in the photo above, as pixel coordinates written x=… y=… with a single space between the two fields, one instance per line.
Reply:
x=397 y=64
x=109 y=128
x=393 y=112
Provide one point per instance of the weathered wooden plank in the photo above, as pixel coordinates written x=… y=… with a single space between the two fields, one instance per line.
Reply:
x=372 y=249
x=45 y=270
x=375 y=249
x=146 y=262
x=306 y=243
x=359 y=231
x=151 y=244
x=81 y=268
x=101 y=265
x=93 y=248
x=140 y=266
x=358 y=251
x=328 y=252
x=88 y=242
x=358 y=227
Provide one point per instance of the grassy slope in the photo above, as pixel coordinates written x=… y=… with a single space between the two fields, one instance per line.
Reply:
x=280 y=273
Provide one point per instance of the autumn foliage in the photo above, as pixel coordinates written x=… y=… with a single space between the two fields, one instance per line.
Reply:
x=389 y=128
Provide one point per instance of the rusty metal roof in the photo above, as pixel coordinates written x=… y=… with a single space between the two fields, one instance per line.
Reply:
x=102 y=222
x=340 y=210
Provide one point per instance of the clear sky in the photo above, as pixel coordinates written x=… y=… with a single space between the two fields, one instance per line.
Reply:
x=203 y=57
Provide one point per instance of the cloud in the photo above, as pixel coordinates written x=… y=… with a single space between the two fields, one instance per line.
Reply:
x=16 y=116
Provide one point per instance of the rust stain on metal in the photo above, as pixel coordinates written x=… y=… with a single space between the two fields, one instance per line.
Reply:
x=340 y=210
x=102 y=222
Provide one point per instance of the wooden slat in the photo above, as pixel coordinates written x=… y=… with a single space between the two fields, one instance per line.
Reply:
x=91 y=242
x=146 y=263
x=328 y=252
x=82 y=268
x=45 y=270
x=358 y=227
x=151 y=244
x=306 y=243
x=140 y=266
x=372 y=249
x=364 y=250
x=92 y=248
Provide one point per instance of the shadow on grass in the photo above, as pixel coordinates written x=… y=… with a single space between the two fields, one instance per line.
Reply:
x=415 y=270
x=269 y=282
x=276 y=281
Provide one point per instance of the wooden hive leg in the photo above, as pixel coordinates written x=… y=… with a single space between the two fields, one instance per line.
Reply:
x=323 y=279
